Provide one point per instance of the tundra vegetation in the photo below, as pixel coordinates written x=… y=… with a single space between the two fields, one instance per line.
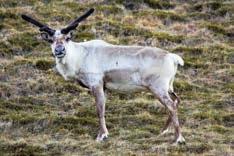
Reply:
x=41 y=114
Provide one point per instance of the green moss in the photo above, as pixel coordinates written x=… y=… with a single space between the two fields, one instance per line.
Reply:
x=210 y=9
x=31 y=103
x=220 y=129
x=61 y=14
x=168 y=37
x=197 y=148
x=180 y=85
x=10 y=105
x=1 y=27
x=21 y=118
x=7 y=15
x=118 y=29
x=21 y=149
x=86 y=112
x=109 y=9
x=23 y=62
x=73 y=6
x=71 y=88
x=139 y=134
x=28 y=2
x=162 y=14
x=6 y=3
x=216 y=28
x=23 y=43
x=76 y=121
x=197 y=7
x=194 y=62
x=218 y=104
x=5 y=49
x=211 y=115
x=83 y=36
x=212 y=5
x=169 y=15
x=123 y=41
x=84 y=27
x=189 y=50
x=199 y=15
x=43 y=64
x=157 y=4
x=226 y=9
x=88 y=121
x=227 y=119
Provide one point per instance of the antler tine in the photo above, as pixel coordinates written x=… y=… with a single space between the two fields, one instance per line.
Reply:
x=42 y=27
x=75 y=23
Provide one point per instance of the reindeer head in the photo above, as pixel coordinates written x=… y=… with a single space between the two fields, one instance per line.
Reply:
x=58 y=38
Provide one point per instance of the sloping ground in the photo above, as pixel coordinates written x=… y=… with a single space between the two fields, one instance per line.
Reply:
x=41 y=114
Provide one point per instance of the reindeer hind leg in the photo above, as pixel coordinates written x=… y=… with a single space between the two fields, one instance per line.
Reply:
x=166 y=100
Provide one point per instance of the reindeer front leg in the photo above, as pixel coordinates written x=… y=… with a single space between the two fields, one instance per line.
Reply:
x=100 y=104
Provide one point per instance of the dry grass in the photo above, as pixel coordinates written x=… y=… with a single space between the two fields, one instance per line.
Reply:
x=41 y=114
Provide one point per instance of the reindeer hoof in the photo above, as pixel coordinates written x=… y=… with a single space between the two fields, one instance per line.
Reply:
x=180 y=140
x=102 y=137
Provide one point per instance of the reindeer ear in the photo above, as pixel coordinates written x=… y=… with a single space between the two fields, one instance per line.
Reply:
x=46 y=37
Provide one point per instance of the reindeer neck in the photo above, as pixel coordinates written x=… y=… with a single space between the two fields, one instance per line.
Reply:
x=72 y=62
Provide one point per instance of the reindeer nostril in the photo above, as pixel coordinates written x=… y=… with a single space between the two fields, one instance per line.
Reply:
x=59 y=49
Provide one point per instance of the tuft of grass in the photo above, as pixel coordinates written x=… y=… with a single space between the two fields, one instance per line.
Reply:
x=226 y=9
x=21 y=148
x=220 y=129
x=228 y=119
x=84 y=36
x=209 y=115
x=23 y=43
x=117 y=29
x=5 y=49
x=216 y=28
x=189 y=50
x=180 y=86
x=7 y=15
x=157 y=4
x=213 y=5
x=43 y=64
x=109 y=9
x=195 y=148
x=168 y=37
x=162 y=14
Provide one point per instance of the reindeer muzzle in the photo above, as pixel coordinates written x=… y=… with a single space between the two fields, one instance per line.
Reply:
x=59 y=51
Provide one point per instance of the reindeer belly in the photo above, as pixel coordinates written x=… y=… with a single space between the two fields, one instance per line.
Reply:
x=123 y=80
x=124 y=87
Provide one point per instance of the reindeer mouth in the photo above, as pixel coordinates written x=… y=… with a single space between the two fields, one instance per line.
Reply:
x=60 y=55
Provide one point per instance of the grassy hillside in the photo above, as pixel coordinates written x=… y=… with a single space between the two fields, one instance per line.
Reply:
x=41 y=114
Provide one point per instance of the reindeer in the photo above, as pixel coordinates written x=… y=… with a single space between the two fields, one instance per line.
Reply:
x=97 y=65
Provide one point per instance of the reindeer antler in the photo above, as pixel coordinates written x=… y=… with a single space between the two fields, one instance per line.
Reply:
x=42 y=27
x=75 y=23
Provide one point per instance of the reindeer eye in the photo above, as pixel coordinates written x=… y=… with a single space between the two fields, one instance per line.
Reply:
x=50 y=40
x=68 y=39
x=47 y=37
